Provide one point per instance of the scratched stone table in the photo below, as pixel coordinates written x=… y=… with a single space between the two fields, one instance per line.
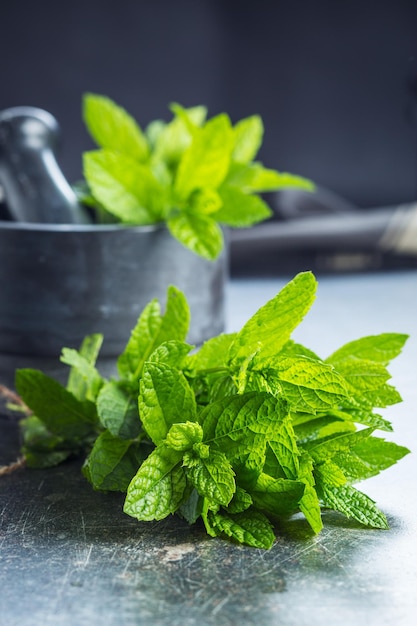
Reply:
x=69 y=556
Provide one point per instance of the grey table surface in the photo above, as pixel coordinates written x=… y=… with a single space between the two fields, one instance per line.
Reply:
x=69 y=556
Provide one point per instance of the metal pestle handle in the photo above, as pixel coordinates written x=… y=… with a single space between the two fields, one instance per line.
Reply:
x=34 y=188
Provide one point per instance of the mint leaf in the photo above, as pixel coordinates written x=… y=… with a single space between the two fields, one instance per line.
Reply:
x=89 y=380
x=126 y=188
x=154 y=329
x=377 y=348
x=206 y=162
x=173 y=139
x=165 y=398
x=240 y=209
x=249 y=527
x=117 y=409
x=248 y=139
x=40 y=447
x=241 y=501
x=200 y=233
x=83 y=384
x=309 y=503
x=265 y=334
x=59 y=410
x=308 y=385
x=212 y=354
x=354 y=504
x=112 y=463
x=324 y=450
x=363 y=375
x=184 y=435
x=277 y=496
x=212 y=476
x=254 y=177
x=113 y=128
x=159 y=486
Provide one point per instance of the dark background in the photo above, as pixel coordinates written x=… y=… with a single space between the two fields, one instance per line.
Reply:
x=333 y=81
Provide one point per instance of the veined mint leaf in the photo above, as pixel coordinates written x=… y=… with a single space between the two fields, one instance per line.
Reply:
x=159 y=486
x=369 y=457
x=277 y=496
x=112 y=462
x=248 y=139
x=184 y=435
x=321 y=426
x=239 y=209
x=211 y=476
x=77 y=383
x=330 y=474
x=249 y=527
x=165 y=398
x=240 y=502
x=171 y=353
x=354 y=504
x=117 y=409
x=362 y=375
x=308 y=385
x=377 y=348
x=200 y=233
x=89 y=379
x=265 y=334
x=126 y=188
x=254 y=177
x=206 y=161
x=324 y=450
x=59 y=410
x=154 y=329
x=112 y=127
x=191 y=509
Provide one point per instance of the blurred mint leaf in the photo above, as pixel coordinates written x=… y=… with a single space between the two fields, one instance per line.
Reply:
x=248 y=139
x=199 y=233
x=240 y=209
x=84 y=381
x=113 y=128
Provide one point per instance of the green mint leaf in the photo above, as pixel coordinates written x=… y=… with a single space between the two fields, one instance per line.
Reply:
x=362 y=375
x=277 y=496
x=248 y=139
x=239 y=209
x=117 y=409
x=200 y=233
x=171 y=140
x=171 y=353
x=256 y=178
x=212 y=354
x=154 y=329
x=322 y=426
x=266 y=333
x=308 y=385
x=249 y=527
x=40 y=447
x=241 y=501
x=183 y=436
x=192 y=508
x=329 y=473
x=368 y=458
x=353 y=504
x=159 y=486
x=77 y=383
x=89 y=379
x=377 y=348
x=59 y=410
x=112 y=462
x=283 y=445
x=125 y=188
x=309 y=503
x=206 y=162
x=112 y=127
x=204 y=201
x=212 y=476
x=324 y=450
x=165 y=398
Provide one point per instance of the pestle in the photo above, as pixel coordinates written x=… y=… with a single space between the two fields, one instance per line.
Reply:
x=33 y=186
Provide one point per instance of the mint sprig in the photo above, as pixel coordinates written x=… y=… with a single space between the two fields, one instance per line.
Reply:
x=194 y=174
x=247 y=428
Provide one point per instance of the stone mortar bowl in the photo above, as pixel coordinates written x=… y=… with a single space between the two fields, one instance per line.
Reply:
x=59 y=283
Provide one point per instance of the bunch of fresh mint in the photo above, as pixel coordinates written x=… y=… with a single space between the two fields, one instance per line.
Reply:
x=191 y=173
x=248 y=428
